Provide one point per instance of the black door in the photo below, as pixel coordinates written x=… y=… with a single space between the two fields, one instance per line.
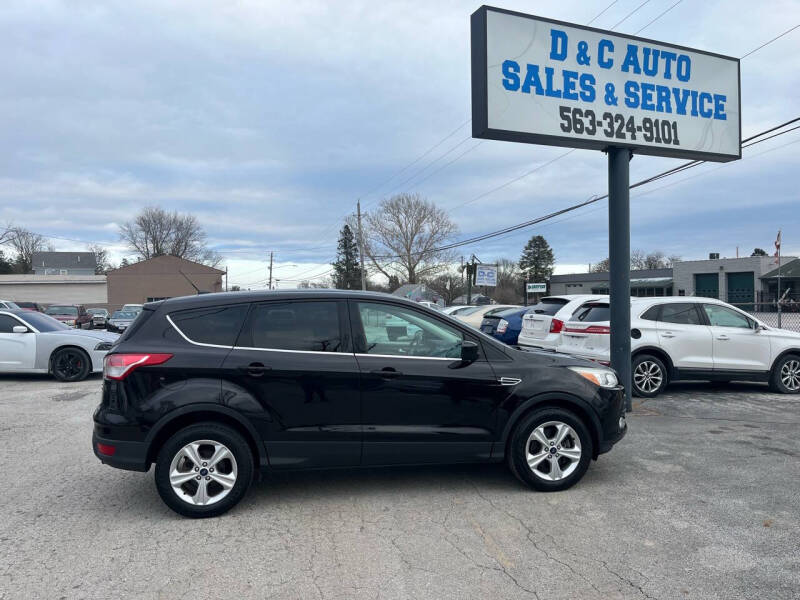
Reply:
x=295 y=357
x=419 y=403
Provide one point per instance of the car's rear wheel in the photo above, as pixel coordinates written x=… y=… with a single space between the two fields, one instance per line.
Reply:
x=70 y=364
x=786 y=375
x=550 y=450
x=649 y=376
x=204 y=470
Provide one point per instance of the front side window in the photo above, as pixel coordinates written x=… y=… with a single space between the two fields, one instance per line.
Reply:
x=7 y=324
x=398 y=331
x=683 y=313
x=720 y=316
x=218 y=325
x=299 y=326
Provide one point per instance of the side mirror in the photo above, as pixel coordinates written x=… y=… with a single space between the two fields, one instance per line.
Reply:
x=469 y=352
x=20 y=329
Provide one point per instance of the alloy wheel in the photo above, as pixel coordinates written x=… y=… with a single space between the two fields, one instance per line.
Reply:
x=648 y=376
x=69 y=364
x=553 y=451
x=790 y=374
x=203 y=472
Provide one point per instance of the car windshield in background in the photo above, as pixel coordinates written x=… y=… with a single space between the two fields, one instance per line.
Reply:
x=548 y=306
x=43 y=322
x=125 y=316
x=62 y=310
x=97 y=311
x=594 y=313
x=468 y=311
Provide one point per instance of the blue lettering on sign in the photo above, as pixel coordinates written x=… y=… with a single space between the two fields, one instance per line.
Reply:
x=662 y=94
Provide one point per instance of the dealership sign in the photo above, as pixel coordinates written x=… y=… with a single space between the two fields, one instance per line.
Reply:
x=536 y=288
x=541 y=81
x=486 y=275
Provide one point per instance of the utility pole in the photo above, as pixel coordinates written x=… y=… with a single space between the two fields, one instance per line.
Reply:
x=470 y=272
x=778 y=248
x=269 y=287
x=361 y=248
x=226 y=278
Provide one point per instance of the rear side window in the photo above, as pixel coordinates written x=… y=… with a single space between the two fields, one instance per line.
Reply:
x=651 y=314
x=593 y=313
x=548 y=306
x=218 y=325
x=680 y=314
x=306 y=326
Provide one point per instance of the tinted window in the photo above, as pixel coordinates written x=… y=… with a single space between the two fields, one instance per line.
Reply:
x=309 y=326
x=119 y=314
x=43 y=322
x=7 y=324
x=217 y=325
x=681 y=314
x=398 y=331
x=651 y=314
x=721 y=316
x=593 y=313
x=548 y=306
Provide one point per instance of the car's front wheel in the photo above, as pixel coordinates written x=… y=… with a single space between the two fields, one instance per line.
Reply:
x=204 y=470
x=649 y=376
x=786 y=375
x=550 y=450
x=70 y=364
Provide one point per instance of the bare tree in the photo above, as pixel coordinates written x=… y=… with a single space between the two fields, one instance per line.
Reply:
x=102 y=264
x=156 y=232
x=509 y=282
x=402 y=234
x=26 y=244
x=448 y=286
x=6 y=233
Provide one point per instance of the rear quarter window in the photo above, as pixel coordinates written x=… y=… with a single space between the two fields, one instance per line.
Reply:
x=548 y=306
x=218 y=325
x=593 y=313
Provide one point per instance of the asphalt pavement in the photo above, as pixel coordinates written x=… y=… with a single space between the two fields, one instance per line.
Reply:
x=701 y=500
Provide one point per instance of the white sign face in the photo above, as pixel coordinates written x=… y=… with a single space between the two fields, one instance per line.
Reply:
x=547 y=82
x=536 y=288
x=486 y=275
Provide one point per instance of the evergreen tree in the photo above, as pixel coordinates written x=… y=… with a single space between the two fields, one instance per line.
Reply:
x=6 y=267
x=347 y=269
x=537 y=260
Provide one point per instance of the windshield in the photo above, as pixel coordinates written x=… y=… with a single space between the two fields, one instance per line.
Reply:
x=62 y=310
x=594 y=313
x=548 y=306
x=97 y=311
x=468 y=311
x=119 y=314
x=43 y=322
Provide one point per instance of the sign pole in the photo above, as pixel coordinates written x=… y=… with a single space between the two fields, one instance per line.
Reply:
x=619 y=253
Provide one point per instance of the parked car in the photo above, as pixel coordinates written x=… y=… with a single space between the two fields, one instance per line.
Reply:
x=32 y=342
x=34 y=306
x=475 y=318
x=8 y=304
x=431 y=305
x=542 y=324
x=207 y=387
x=505 y=325
x=120 y=320
x=678 y=338
x=460 y=309
x=99 y=317
x=74 y=315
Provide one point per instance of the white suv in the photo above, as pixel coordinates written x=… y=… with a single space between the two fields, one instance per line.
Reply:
x=676 y=338
x=542 y=324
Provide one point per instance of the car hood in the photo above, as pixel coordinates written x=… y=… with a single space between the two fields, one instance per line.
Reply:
x=102 y=336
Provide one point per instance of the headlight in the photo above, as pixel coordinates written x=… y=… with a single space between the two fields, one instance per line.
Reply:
x=70 y=322
x=502 y=326
x=103 y=347
x=603 y=377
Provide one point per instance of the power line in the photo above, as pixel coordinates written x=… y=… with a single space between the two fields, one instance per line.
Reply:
x=770 y=41
x=625 y=18
x=592 y=20
x=658 y=17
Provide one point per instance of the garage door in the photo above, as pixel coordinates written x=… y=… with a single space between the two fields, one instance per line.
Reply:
x=706 y=285
x=741 y=288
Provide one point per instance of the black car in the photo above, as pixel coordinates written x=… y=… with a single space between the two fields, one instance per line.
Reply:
x=212 y=389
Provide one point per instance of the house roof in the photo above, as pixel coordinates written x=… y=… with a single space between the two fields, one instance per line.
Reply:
x=789 y=269
x=170 y=262
x=63 y=260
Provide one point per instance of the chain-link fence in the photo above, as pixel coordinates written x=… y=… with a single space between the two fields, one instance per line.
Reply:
x=767 y=313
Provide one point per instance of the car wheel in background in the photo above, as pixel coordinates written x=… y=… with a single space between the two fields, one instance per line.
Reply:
x=70 y=364
x=649 y=376
x=204 y=470
x=550 y=450
x=786 y=375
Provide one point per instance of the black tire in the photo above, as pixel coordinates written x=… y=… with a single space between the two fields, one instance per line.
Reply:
x=521 y=443
x=786 y=370
x=652 y=386
x=70 y=364
x=220 y=434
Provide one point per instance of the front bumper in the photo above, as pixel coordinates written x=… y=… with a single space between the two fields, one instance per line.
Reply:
x=613 y=423
x=131 y=456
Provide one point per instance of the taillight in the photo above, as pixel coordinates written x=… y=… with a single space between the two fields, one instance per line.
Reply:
x=556 y=325
x=597 y=329
x=119 y=366
x=502 y=326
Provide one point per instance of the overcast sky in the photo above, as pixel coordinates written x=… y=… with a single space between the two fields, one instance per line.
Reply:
x=268 y=119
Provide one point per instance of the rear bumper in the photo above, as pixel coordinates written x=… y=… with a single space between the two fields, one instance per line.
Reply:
x=131 y=456
x=550 y=341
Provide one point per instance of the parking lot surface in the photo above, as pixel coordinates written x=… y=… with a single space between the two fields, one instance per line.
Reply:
x=700 y=500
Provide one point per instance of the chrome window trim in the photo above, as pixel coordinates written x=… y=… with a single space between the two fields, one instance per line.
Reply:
x=294 y=351
x=412 y=357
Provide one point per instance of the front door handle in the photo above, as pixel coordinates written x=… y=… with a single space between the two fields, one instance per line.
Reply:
x=723 y=337
x=387 y=373
x=255 y=369
x=667 y=334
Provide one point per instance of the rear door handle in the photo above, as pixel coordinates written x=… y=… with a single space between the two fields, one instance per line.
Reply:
x=387 y=373
x=255 y=369
x=667 y=334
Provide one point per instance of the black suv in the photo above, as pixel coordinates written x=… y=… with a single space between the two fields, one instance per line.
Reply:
x=215 y=388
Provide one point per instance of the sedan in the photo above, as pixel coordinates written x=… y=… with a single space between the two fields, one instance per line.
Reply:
x=504 y=325
x=475 y=317
x=32 y=342
x=121 y=320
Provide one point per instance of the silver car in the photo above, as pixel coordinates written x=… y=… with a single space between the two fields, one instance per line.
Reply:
x=32 y=342
x=121 y=320
x=99 y=317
